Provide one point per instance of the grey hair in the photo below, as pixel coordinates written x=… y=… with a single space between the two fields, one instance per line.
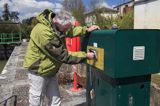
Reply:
x=64 y=17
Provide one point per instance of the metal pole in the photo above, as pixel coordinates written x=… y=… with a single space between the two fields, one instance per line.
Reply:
x=15 y=100
x=5 y=103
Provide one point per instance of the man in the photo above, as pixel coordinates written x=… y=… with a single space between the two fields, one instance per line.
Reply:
x=114 y=26
x=46 y=52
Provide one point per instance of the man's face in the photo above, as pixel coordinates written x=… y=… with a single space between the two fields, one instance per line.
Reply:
x=62 y=27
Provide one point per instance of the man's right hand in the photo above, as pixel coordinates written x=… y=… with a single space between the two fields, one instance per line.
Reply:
x=90 y=55
x=92 y=28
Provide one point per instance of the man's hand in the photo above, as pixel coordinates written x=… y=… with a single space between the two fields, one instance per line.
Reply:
x=90 y=55
x=93 y=27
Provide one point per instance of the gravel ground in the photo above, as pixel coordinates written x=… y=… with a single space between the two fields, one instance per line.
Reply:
x=72 y=98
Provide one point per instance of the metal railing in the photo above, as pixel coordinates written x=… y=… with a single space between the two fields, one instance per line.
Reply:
x=12 y=99
x=10 y=38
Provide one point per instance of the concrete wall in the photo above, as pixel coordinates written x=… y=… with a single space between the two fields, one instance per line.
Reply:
x=147 y=14
x=14 y=79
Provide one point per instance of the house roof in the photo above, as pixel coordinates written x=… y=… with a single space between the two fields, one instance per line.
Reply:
x=143 y=1
x=100 y=10
x=123 y=4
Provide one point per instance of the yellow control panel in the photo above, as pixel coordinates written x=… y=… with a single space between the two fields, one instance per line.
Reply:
x=99 y=62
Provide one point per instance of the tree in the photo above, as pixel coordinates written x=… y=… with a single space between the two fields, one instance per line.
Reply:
x=96 y=9
x=94 y=4
x=6 y=13
x=124 y=22
x=66 y=5
x=127 y=20
x=27 y=26
x=14 y=16
x=76 y=7
x=8 y=27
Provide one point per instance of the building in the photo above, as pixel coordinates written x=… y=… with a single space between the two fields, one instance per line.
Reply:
x=124 y=7
x=146 y=15
x=90 y=17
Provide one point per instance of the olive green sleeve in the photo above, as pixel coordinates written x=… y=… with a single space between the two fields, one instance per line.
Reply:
x=76 y=31
x=52 y=46
x=58 y=51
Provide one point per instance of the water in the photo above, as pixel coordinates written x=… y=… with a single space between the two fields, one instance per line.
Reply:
x=5 y=52
x=2 y=64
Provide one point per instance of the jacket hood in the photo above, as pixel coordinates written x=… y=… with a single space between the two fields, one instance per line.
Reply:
x=46 y=17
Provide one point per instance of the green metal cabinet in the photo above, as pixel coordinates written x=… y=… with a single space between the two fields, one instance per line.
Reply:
x=121 y=74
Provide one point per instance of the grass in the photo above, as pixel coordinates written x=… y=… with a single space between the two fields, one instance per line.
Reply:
x=2 y=64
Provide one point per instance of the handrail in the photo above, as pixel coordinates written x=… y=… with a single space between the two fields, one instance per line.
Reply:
x=4 y=103
x=10 y=38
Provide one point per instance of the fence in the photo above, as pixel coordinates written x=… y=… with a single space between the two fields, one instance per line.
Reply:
x=10 y=38
x=11 y=101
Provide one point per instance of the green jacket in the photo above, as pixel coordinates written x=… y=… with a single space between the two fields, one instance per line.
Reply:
x=46 y=50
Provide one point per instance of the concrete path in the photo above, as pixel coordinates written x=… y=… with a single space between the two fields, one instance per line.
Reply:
x=14 y=81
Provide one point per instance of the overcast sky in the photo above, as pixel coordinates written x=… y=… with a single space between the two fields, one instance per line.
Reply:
x=28 y=8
